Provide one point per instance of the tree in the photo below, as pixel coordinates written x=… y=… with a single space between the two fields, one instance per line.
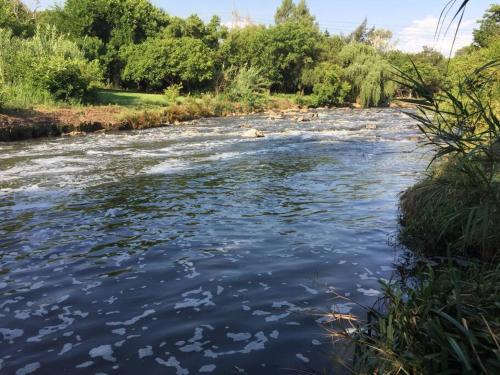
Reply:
x=46 y=63
x=380 y=39
x=303 y=14
x=288 y=11
x=193 y=27
x=285 y=12
x=369 y=74
x=106 y=26
x=325 y=83
x=15 y=16
x=489 y=27
x=283 y=51
x=361 y=33
x=160 y=62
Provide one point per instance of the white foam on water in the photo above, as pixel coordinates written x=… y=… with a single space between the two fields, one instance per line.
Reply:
x=309 y=290
x=239 y=336
x=132 y=320
x=207 y=369
x=66 y=348
x=168 y=167
x=173 y=362
x=28 y=369
x=204 y=300
x=303 y=358
x=342 y=308
x=369 y=292
x=11 y=334
x=104 y=351
x=145 y=352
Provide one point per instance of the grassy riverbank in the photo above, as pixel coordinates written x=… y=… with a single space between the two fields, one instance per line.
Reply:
x=119 y=110
x=115 y=110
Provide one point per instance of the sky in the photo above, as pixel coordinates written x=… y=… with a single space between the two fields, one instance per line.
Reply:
x=413 y=22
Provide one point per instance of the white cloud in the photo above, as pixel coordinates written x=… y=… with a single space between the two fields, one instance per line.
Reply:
x=422 y=33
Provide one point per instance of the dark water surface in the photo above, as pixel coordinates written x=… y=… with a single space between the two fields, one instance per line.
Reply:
x=193 y=249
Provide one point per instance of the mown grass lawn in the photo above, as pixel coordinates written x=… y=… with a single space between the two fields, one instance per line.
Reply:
x=129 y=99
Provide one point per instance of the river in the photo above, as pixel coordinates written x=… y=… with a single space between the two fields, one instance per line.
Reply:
x=193 y=249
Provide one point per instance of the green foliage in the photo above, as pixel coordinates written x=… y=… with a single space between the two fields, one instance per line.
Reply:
x=369 y=74
x=280 y=52
x=248 y=86
x=194 y=27
x=285 y=12
x=291 y=12
x=325 y=84
x=47 y=62
x=443 y=321
x=450 y=212
x=16 y=16
x=103 y=27
x=432 y=67
x=283 y=51
x=3 y=96
x=458 y=208
x=489 y=27
x=173 y=91
x=361 y=33
x=160 y=62
x=65 y=80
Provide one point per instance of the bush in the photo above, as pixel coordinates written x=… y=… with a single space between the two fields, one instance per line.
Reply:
x=48 y=63
x=64 y=80
x=159 y=62
x=325 y=84
x=247 y=86
x=172 y=92
x=331 y=93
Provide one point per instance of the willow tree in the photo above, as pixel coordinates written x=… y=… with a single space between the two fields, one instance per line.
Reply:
x=368 y=73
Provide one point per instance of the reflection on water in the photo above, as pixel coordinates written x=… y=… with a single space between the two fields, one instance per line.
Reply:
x=192 y=249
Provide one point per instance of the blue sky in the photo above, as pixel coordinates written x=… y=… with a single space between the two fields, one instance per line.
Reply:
x=412 y=21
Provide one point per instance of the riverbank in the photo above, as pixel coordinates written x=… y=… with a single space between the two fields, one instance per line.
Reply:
x=118 y=111
x=440 y=311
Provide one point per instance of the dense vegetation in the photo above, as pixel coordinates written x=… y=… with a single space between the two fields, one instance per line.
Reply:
x=134 y=45
x=442 y=314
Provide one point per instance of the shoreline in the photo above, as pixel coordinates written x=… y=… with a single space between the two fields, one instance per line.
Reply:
x=26 y=124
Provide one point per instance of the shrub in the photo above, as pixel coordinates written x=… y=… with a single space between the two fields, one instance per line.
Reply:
x=64 y=80
x=247 y=86
x=49 y=63
x=162 y=61
x=173 y=91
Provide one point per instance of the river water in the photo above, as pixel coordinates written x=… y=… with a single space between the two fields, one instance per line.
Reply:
x=193 y=249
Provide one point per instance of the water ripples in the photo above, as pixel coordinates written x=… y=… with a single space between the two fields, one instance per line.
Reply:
x=193 y=249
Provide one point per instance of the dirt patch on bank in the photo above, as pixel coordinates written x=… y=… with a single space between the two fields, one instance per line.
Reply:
x=45 y=122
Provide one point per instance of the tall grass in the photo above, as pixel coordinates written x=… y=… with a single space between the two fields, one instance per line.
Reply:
x=444 y=321
x=457 y=207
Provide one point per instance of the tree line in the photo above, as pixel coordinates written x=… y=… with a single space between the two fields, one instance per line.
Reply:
x=71 y=48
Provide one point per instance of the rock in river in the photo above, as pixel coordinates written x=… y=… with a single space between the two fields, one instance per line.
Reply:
x=253 y=133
